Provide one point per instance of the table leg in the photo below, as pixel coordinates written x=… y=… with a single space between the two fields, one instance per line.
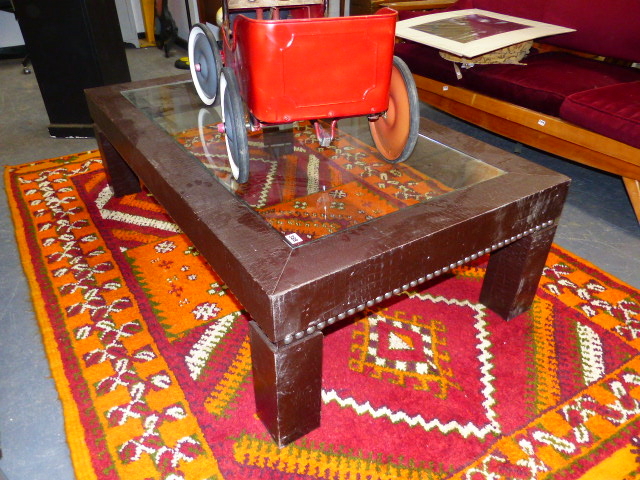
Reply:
x=513 y=274
x=287 y=381
x=121 y=178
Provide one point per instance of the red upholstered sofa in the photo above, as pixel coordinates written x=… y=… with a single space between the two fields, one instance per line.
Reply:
x=578 y=96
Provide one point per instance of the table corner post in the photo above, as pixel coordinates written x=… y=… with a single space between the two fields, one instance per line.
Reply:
x=120 y=176
x=513 y=273
x=287 y=382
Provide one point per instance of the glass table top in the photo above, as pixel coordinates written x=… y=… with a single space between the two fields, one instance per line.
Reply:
x=301 y=189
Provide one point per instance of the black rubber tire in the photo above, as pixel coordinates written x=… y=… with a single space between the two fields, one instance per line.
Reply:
x=396 y=132
x=205 y=62
x=234 y=119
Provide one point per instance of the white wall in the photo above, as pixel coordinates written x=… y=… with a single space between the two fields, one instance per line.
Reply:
x=179 y=11
x=10 y=35
x=127 y=22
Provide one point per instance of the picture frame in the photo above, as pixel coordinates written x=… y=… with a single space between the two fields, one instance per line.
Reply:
x=472 y=32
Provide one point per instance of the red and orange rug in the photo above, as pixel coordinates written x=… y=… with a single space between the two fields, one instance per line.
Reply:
x=150 y=355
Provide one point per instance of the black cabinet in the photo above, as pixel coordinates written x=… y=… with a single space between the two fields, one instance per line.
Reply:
x=73 y=45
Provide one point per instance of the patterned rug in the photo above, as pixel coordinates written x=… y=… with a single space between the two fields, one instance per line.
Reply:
x=150 y=355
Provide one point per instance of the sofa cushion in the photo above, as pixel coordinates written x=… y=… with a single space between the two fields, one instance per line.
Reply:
x=613 y=111
x=532 y=10
x=546 y=80
x=610 y=29
x=541 y=85
x=426 y=61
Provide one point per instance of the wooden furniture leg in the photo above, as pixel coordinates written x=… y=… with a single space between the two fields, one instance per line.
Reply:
x=513 y=274
x=121 y=178
x=287 y=381
x=633 y=190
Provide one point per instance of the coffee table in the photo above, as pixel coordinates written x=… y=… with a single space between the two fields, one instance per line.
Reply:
x=320 y=234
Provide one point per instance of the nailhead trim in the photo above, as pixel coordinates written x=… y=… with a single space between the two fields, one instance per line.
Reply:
x=396 y=291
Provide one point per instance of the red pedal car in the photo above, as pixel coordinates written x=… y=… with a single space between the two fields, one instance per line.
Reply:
x=283 y=61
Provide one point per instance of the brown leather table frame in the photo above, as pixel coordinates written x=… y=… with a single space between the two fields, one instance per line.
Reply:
x=293 y=292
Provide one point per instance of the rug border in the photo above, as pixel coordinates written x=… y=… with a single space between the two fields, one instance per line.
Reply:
x=74 y=433
x=593 y=266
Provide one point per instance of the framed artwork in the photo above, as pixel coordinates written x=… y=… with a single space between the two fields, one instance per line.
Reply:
x=473 y=32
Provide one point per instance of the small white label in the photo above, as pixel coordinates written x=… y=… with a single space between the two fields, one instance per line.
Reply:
x=293 y=238
x=445 y=87
x=542 y=123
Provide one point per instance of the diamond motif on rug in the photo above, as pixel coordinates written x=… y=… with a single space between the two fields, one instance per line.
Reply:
x=416 y=352
x=402 y=348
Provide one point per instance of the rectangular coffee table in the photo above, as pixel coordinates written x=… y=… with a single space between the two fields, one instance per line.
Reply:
x=319 y=234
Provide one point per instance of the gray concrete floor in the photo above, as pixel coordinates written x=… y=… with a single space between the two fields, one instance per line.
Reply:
x=597 y=224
